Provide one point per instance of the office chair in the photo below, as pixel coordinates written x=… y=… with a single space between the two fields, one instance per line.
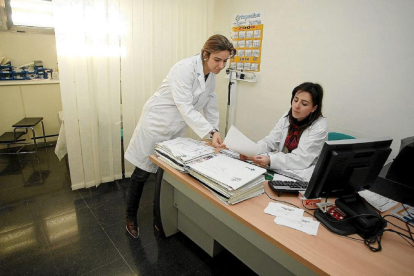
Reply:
x=332 y=136
x=401 y=169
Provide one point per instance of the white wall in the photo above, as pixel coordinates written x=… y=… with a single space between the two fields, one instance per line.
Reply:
x=23 y=48
x=361 y=52
x=40 y=100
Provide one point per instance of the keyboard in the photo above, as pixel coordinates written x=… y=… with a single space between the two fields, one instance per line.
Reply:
x=288 y=186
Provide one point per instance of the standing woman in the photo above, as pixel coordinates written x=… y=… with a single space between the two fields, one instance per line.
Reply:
x=188 y=88
x=297 y=139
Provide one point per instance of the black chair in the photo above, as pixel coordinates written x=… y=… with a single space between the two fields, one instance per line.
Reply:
x=398 y=183
x=401 y=168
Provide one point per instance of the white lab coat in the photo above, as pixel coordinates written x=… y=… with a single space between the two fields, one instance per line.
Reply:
x=175 y=105
x=308 y=150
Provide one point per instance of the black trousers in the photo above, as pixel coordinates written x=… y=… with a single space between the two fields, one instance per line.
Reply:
x=138 y=179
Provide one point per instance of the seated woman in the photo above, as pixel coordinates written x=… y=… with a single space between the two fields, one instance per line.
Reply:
x=297 y=139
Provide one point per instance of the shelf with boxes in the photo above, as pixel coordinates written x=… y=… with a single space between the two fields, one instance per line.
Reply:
x=32 y=70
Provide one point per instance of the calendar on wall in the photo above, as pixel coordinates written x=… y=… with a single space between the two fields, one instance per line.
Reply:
x=248 y=42
x=247 y=38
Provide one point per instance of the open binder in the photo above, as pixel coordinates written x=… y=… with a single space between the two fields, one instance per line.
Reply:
x=231 y=180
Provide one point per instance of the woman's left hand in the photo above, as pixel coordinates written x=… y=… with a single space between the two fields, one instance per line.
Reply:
x=260 y=160
x=216 y=141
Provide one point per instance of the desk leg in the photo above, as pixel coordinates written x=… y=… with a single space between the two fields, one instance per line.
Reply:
x=165 y=213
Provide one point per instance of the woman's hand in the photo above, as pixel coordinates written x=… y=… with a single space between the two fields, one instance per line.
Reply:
x=260 y=160
x=243 y=157
x=216 y=141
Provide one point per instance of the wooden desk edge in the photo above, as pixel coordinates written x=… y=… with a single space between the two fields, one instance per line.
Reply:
x=178 y=175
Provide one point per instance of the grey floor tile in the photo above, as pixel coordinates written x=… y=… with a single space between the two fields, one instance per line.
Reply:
x=117 y=267
x=22 y=243
x=83 y=253
x=37 y=264
x=69 y=226
x=48 y=229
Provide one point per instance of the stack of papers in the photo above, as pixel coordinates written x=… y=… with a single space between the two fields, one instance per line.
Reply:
x=178 y=152
x=292 y=217
x=229 y=179
x=230 y=153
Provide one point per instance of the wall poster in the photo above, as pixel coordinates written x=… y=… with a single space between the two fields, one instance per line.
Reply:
x=247 y=36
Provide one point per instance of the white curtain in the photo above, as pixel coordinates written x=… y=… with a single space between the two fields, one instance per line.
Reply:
x=87 y=43
x=158 y=34
x=113 y=52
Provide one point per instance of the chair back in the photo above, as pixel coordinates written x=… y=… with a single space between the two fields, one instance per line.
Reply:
x=401 y=169
x=332 y=136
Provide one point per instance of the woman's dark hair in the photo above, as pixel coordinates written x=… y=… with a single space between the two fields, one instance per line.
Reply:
x=217 y=43
x=317 y=96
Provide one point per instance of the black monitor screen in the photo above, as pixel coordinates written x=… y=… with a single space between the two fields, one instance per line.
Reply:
x=344 y=166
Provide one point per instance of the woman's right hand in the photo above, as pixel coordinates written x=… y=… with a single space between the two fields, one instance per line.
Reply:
x=260 y=160
x=216 y=141
x=243 y=157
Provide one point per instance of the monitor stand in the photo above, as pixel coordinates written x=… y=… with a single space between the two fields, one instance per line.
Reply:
x=341 y=228
x=353 y=205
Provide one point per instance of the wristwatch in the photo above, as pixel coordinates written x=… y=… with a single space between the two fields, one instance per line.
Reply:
x=212 y=132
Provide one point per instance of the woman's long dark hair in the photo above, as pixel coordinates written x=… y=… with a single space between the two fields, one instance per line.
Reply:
x=317 y=96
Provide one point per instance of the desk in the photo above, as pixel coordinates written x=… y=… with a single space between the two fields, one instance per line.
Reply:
x=269 y=249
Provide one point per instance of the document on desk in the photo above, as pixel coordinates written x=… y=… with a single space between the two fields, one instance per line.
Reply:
x=237 y=141
x=405 y=212
x=307 y=224
x=185 y=149
x=379 y=202
x=228 y=172
x=284 y=211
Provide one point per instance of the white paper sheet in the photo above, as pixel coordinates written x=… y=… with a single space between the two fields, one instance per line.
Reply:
x=307 y=225
x=237 y=141
x=284 y=211
x=231 y=172
x=186 y=148
x=379 y=202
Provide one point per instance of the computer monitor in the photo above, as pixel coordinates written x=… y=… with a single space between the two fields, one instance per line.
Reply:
x=344 y=167
x=398 y=183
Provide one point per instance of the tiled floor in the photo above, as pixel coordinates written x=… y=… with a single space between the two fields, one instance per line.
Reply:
x=48 y=229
